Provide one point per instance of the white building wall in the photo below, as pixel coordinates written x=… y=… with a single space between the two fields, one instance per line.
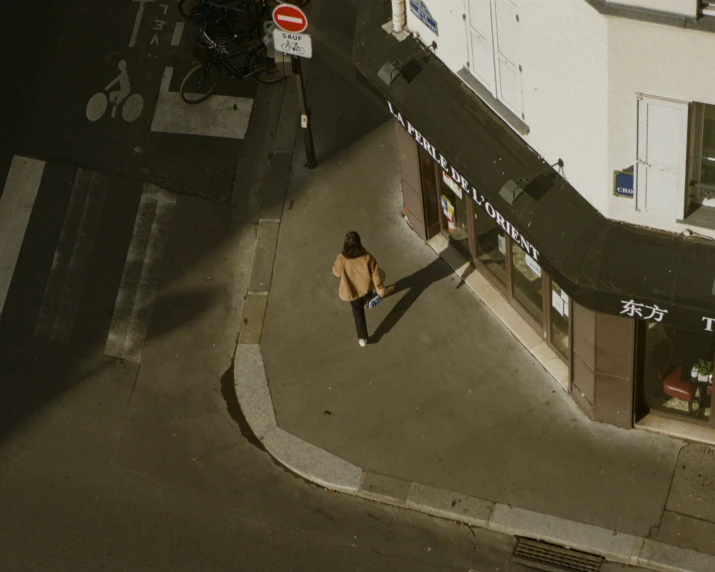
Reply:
x=581 y=73
x=565 y=83
x=661 y=61
x=564 y=77
x=451 y=39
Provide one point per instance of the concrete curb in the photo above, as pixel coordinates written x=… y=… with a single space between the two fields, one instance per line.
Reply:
x=333 y=473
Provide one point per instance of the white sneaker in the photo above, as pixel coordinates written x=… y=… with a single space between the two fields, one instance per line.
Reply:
x=362 y=342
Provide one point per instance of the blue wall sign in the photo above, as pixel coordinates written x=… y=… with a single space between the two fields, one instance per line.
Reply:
x=419 y=9
x=623 y=183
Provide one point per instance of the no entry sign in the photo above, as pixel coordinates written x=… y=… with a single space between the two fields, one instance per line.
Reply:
x=290 y=18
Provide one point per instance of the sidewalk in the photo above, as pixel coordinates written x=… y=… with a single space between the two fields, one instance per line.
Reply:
x=444 y=411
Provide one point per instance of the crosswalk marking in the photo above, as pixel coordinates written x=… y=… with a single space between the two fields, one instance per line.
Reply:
x=18 y=198
x=142 y=270
x=63 y=290
x=218 y=116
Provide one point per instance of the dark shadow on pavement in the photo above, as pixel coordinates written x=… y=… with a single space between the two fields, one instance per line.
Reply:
x=462 y=280
x=415 y=284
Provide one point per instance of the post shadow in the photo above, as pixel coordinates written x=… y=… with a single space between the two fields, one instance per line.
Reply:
x=415 y=283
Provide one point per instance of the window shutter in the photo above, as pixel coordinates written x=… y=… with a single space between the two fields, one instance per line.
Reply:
x=481 y=47
x=508 y=60
x=662 y=151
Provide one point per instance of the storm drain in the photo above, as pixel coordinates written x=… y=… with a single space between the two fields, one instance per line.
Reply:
x=552 y=558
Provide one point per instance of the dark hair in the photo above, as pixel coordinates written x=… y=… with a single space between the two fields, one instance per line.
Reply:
x=352 y=247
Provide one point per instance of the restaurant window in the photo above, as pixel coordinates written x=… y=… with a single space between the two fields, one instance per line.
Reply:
x=527 y=282
x=677 y=375
x=703 y=156
x=455 y=217
x=560 y=311
x=491 y=245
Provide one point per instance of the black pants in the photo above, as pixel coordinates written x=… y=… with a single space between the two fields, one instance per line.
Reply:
x=358 y=307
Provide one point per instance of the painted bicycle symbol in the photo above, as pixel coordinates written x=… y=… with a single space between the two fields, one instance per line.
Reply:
x=132 y=103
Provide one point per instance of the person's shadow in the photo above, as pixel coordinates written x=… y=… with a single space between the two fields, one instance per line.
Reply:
x=415 y=283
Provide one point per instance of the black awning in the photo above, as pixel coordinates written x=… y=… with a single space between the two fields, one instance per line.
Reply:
x=603 y=265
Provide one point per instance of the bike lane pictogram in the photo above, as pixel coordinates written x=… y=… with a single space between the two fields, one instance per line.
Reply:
x=113 y=100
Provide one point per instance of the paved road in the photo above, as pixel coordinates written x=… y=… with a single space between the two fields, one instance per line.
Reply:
x=125 y=249
x=125 y=252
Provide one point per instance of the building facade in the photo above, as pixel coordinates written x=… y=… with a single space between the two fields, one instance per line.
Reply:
x=567 y=149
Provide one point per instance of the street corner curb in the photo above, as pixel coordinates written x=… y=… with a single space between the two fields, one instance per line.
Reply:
x=311 y=462
x=615 y=546
x=447 y=504
x=383 y=488
x=252 y=391
x=668 y=558
x=301 y=457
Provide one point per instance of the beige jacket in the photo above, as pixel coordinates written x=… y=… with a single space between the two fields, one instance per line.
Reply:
x=357 y=275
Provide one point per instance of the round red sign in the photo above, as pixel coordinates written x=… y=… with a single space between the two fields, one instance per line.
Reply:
x=290 y=18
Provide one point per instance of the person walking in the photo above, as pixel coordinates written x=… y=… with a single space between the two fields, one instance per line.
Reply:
x=358 y=272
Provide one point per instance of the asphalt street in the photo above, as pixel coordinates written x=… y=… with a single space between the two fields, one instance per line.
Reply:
x=128 y=246
x=129 y=238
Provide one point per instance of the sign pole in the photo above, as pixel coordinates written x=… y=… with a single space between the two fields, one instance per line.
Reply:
x=310 y=161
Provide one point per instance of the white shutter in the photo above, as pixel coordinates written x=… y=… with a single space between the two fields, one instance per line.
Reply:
x=481 y=47
x=662 y=151
x=508 y=59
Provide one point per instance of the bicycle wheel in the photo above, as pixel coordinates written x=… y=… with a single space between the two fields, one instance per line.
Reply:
x=265 y=70
x=200 y=82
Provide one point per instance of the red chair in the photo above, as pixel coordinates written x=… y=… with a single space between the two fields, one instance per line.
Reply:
x=673 y=386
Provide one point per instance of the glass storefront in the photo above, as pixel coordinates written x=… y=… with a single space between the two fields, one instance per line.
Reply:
x=527 y=282
x=560 y=312
x=480 y=238
x=677 y=374
x=491 y=245
x=455 y=218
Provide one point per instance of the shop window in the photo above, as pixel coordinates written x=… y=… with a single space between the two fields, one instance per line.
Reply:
x=661 y=156
x=454 y=213
x=677 y=374
x=703 y=157
x=491 y=245
x=560 y=303
x=527 y=281
x=494 y=50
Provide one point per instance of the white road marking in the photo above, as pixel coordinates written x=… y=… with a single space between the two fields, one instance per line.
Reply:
x=288 y=19
x=176 y=36
x=138 y=21
x=63 y=291
x=142 y=270
x=16 y=202
x=218 y=116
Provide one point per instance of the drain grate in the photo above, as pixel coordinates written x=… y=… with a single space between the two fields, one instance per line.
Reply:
x=552 y=558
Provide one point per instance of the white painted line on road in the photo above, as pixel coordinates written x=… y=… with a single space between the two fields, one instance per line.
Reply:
x=16 y=202
x=140 y=279
x=218 y=116
x=138 y=21
x=63 y=291
x=176 y=36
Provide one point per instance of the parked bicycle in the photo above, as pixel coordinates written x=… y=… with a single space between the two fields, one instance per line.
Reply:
x=251 y=60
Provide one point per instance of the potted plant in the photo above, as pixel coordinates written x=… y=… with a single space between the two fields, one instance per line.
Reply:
x=704 y=369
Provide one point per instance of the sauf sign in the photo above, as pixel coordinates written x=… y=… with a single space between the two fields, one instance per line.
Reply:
x=462 y=182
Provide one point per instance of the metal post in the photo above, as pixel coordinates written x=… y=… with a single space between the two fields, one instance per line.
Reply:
x=310 y=161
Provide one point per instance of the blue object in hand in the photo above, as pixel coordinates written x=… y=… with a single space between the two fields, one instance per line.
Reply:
x=374 y=301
